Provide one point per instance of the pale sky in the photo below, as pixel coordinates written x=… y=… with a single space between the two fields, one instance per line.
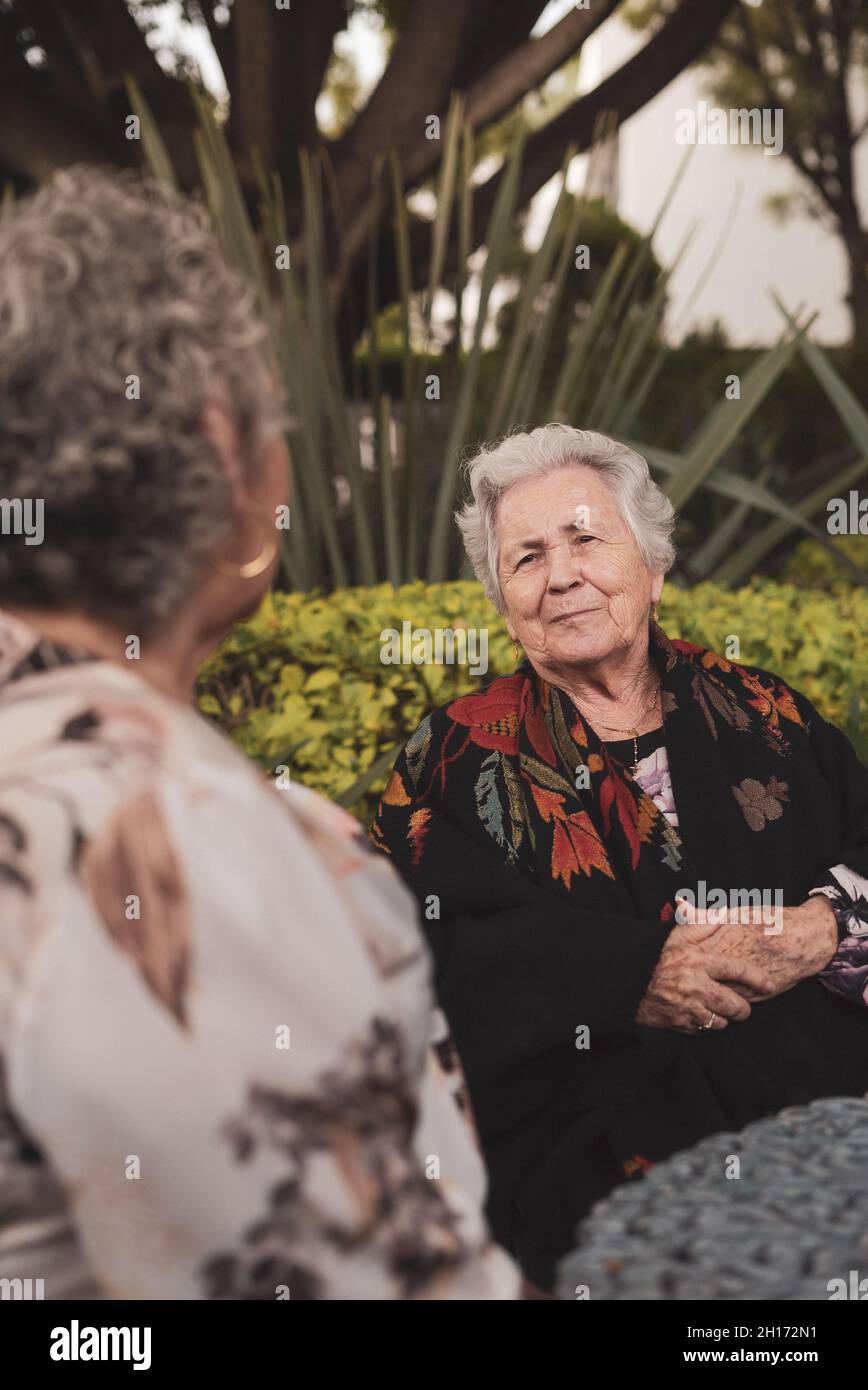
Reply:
x=798 y=258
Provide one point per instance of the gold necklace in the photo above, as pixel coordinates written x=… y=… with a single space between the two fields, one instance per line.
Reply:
x=613 y=728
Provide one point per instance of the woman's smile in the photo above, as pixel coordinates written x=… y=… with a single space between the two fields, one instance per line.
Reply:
x=574 y=613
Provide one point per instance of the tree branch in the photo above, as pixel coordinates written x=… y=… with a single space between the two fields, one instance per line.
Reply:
x=41 y=132
x=673 y=47
x=279 y=58
x=530 y=64
x=416 y=83
x=796 y=151
x=676 y=44
x=90 y=49
x=496 y=29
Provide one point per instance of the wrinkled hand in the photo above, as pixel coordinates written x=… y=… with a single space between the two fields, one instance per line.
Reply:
x=799 y=943
x=688 y=984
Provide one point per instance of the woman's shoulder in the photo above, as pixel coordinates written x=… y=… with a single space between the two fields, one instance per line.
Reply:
x=485 y=718
x=188 y=864
x=86 y=741
x=84 y=749
x=766 y=690
x=493 y=706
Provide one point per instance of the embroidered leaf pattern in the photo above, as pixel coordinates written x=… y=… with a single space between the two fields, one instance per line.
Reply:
x=416 y=832
x=416 y=750
x=786 y=705
x=726 y=706
x=538 y=734
x=771 y=702
x=517 y=806
x=547 y=777
x=646 y=815
x=710 y=697
x=498 y=794
x=568 y=749
x=615 y=795
x=576 y=847
x=487 y=800
x=395 y=795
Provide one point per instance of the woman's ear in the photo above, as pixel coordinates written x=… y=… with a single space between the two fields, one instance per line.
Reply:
x=220 y=430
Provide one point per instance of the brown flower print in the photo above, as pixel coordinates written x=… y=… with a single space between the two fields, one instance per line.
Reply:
x=761 y=804
x=357 y=1123
x=134 y=855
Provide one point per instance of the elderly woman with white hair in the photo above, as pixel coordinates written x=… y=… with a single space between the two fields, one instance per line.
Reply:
x=642 y=867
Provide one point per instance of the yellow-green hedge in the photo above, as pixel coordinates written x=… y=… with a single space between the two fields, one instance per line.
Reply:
x=812 y=567
x=302 y=683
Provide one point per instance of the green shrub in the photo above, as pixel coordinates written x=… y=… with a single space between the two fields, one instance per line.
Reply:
x=302 y=683
x=812 y=567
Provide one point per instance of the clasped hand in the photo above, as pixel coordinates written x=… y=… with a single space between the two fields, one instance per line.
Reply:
x=720 y=961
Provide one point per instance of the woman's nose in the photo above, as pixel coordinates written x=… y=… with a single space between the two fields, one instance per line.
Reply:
x=565 y=568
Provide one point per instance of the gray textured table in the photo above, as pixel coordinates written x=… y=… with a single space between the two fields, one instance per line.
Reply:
x=795 y=1218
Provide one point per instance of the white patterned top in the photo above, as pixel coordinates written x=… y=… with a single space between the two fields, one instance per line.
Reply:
x=216 y=1077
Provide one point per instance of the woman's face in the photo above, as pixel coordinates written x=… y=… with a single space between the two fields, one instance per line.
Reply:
x=573 y=579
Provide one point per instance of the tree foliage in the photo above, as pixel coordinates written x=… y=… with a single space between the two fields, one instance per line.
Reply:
x=808 y=58
x=63 y=97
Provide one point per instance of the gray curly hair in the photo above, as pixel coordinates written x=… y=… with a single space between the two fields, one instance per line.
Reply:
x=498 y=467
x=105 y=276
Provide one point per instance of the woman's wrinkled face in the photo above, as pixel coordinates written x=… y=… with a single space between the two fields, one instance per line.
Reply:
x=575 y=586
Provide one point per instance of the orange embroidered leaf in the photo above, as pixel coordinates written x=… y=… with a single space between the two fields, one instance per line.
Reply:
x=549 y=804
x=576 y=845
x=538 y=733
x=416 y=833
x=711 y=659
x=395 y=795
x=578 y=849
x=786 y=705
x=614 y=794
x=646 y=818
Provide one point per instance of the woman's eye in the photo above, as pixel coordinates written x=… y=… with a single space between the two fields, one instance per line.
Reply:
x=526 y=557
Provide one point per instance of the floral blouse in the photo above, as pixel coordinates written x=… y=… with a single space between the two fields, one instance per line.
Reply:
x=217 y=1077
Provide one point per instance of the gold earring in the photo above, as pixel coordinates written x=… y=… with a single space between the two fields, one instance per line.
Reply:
x=516 y=652
x=654 y=614
x=258 y=565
